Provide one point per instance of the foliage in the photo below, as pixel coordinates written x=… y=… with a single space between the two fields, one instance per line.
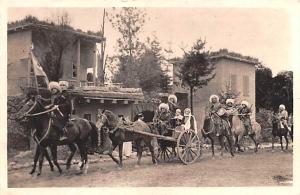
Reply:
x=263 y=83
x=150 y=74
x=129 y=23
x=139 y=63
x=282 y=87
x=227 y=93
x=195 y=68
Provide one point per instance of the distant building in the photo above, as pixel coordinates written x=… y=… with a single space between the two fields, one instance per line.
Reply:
x=237 y=73
x=78 y=59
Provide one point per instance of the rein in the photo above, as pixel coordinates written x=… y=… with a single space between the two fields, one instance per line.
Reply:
x=44 y=112
x=33 y=134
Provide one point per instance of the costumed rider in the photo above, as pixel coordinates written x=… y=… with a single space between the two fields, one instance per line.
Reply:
x=162 y=117
x=283 y=117
x=189 y=121
x=172 y=103
x=214 y=108
x=229 y=107
x=60 y=98
x=244 y=114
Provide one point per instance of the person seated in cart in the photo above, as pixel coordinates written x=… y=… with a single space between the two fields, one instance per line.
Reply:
x=162 y=118
x=172 y=103
x=189 y=121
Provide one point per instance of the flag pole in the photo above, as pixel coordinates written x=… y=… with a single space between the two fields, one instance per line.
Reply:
x=36 y=82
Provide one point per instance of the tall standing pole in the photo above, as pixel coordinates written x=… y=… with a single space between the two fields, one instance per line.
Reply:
x=101 y=65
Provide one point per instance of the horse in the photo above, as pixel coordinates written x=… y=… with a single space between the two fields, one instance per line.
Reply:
x=119 y=133
x=277 y=130
x=47 y=134
x=238 y=130
x=208 y=131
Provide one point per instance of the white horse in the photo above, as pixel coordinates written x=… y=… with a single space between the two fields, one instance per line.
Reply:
x=238 y=131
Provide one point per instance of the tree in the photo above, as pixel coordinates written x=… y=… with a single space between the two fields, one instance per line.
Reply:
x=150 y=74
x=196 y=69
x=129 y=22
x=264 y=90
x=282 y=87
x=57 y=41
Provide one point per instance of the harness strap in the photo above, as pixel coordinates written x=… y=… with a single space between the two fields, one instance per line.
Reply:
x=46 y=134
x=44 y=112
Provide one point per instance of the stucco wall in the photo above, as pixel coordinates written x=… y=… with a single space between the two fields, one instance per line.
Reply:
x=224 y=68
x=18 y=48
x=93 y=106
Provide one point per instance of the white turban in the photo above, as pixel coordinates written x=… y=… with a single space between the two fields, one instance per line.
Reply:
x=64 y=85
x=54 y=85
x=213 y=96
x=187 y=112
x=245 y=103
x=282 y=107
x=163 y=105
x=173 y=97
x=230 y=101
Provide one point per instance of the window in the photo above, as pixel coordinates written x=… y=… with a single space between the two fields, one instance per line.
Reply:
x=87 y=117
x=233 y=82
x=74 y=70
x=246 y=85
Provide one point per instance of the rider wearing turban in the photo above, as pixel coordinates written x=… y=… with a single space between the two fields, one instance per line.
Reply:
x=244 y=114
x=172 y=103
x=162 y=117
x=59 y=97
x=214 y=113
x=283 y=116
x=229 y=107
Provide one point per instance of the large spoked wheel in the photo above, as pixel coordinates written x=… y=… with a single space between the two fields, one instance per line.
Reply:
x=188 y=146
x=165 y=154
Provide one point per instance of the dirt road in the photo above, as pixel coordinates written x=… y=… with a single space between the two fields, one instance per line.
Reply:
x=245 y=169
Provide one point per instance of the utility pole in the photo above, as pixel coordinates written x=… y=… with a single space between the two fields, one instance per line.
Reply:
x=101 y=65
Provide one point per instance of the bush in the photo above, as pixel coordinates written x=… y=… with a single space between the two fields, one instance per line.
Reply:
x=264 y=118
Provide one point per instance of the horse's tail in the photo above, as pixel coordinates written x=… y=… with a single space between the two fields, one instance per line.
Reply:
x=94 y=134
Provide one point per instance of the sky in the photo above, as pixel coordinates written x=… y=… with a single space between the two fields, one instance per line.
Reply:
x=263 y=33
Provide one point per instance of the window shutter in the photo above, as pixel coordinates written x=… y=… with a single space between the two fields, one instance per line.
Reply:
x=233 y=82
x=246 y=85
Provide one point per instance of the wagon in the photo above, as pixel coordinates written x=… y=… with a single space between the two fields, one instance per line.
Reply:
x=187 y=143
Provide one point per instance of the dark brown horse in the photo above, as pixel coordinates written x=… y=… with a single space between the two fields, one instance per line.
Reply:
x=119 y=134
x=278 y=131
x=209 y=131
x=47 y=134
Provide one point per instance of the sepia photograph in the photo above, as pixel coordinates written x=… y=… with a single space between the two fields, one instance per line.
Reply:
x=149 y=97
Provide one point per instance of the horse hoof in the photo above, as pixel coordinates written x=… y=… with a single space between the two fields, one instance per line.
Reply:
x=31 y=172
x=136 y=166
x=38 y=174
x=119 y=168
x=213 y=158
x=52 y=169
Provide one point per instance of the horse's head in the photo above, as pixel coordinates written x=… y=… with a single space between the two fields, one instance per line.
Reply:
x=30 y=106
x=107 y=119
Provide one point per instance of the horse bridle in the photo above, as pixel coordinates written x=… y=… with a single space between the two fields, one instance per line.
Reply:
x=41 y=113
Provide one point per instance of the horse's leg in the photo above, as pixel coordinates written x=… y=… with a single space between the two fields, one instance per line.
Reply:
x=82 y=154
x=48 y=158
x=36 y=157
x=151 y=148
x=229 y=140
x=239 y=138
x=221 y=140
x=139 y=152
x=273 y=140
x=41 y=159
x=111 y=156
x=212 y=146
x=53 y=149
x=287 y=142
x=121 y=154
x=281 y=143
x=73 y=150
x=252 y=137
